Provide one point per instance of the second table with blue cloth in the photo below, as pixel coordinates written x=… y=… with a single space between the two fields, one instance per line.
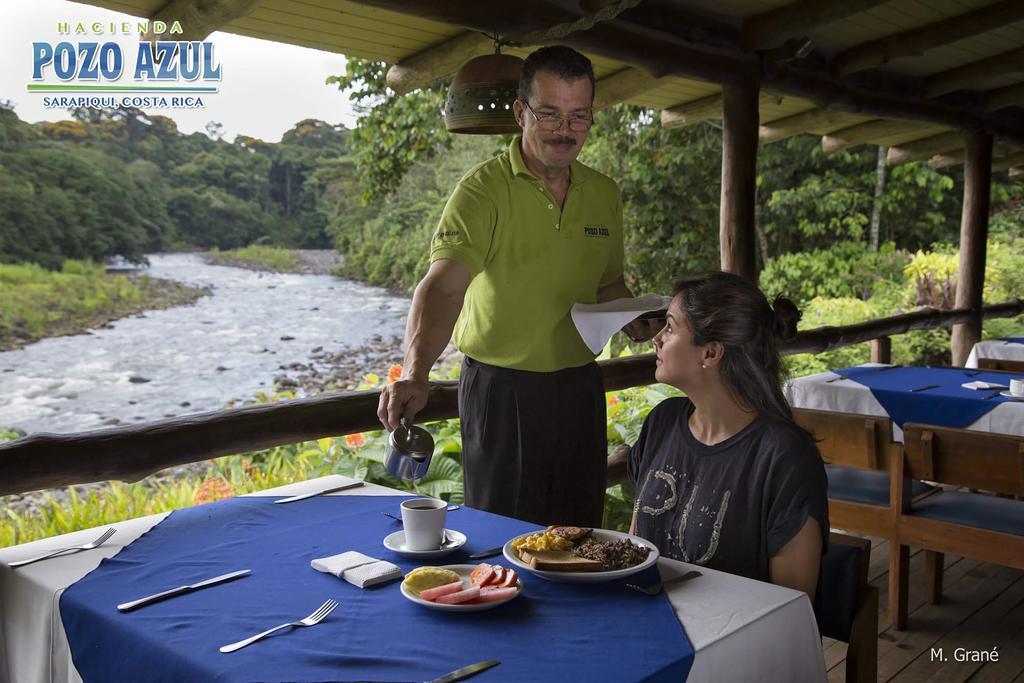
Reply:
x=930 y=395
x=550 y=632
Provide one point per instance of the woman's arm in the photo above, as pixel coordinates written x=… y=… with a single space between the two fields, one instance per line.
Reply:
x=796 y=565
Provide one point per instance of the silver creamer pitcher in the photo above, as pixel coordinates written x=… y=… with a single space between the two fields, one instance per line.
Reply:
x=409 y=451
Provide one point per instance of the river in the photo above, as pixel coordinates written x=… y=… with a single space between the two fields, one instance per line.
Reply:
x=226 y=347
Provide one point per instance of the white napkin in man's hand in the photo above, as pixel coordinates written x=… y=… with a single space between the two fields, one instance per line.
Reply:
x=358 y=569
x=596 y=323
x=980 y=385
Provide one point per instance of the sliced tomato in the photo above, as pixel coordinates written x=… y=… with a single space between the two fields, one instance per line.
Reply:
x=461 y=596
x=481 y=575
x=438 y=591
x=510 y=579
x=497 y=577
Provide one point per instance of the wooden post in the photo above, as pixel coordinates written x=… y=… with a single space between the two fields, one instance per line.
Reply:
x=881 y=350
x=739 y=176
x=973 y=238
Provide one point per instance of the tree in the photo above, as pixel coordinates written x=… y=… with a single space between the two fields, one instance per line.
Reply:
x=395 y=131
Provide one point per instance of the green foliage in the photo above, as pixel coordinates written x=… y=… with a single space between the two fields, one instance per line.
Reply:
x=122 y=182
x=281 y=260
x=845 y=269
x=395 y=131
x=34 y=301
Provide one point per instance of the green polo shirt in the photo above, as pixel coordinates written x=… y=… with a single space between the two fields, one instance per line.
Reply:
x=530 y=260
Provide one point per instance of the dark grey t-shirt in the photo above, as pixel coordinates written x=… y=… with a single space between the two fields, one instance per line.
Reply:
x=731 y=506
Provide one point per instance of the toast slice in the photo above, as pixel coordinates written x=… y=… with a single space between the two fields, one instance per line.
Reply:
x=559 y=561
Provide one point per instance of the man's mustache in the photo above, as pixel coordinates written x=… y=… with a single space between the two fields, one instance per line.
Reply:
x=563 y=140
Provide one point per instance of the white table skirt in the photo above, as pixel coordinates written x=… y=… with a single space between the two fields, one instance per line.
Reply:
x=741 y=630
x=815 y=392
x=996 y=349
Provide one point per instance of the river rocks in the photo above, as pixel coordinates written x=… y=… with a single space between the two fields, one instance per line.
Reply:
x=135 y=379
x=221 y=368
x=287 y=337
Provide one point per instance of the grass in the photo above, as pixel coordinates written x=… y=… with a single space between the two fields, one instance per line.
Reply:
x=281 y=260
x=37 y=303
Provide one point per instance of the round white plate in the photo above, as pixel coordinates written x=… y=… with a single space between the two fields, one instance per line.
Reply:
x=463 y=571
x=1007 y=394
x=587 y=577
x=396 y=543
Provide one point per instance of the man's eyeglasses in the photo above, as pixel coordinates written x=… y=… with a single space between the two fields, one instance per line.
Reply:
x=553 y=122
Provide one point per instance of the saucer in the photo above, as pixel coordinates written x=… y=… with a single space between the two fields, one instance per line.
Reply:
x=1015 y=397
x=396 y=543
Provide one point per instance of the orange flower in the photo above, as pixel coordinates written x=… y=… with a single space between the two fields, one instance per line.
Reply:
x=394 y=373
x=613 y=400
x=213 y=489
x=355 y=440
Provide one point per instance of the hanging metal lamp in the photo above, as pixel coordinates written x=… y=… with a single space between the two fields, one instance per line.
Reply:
x=481 y=95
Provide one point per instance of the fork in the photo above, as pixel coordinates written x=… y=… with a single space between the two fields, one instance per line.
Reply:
x=657 y=588
x=73 y=549
x=312 y=620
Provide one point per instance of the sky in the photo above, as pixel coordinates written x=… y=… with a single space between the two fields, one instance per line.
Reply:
x=265 y=89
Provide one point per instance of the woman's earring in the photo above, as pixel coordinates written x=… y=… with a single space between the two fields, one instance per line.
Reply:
x=704 y=365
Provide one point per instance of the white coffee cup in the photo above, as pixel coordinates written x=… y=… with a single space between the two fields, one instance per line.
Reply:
x=1017 y=386
x=423 y=519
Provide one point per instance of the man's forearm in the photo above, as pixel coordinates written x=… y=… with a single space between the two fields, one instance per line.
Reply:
x=432 y=317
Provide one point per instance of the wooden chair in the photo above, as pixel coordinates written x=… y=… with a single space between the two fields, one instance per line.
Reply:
x=1001 y=364
x=857 y=450
x=849 y=604
x=977 y=525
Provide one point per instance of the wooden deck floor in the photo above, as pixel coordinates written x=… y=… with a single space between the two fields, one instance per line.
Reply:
x=982 y=608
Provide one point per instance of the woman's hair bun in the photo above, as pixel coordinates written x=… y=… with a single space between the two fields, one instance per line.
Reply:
x=785 y=316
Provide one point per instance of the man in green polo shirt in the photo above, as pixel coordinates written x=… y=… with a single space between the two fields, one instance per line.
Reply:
x=523 y=237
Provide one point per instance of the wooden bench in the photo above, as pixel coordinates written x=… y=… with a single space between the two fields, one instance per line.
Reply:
x=1001 y=364
x=857 y=450
x=984 y=527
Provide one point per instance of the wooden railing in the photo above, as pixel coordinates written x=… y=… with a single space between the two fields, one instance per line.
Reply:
x=130 y=453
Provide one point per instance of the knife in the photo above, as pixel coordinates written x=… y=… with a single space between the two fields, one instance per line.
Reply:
x=343 y=487
x=487 y=553
x=466 y=671
x=181 y=590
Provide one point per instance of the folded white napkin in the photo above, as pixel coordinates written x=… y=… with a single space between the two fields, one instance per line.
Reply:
x=980 y=385
x=358 y=569
x=597 y=323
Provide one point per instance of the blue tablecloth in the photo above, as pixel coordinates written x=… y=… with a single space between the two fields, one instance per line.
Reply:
x=947 y=405
x=1014 y=340
x=552 y=632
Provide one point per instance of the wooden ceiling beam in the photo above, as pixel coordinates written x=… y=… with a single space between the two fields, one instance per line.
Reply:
x=623 y=85
x=703 y=109
x=919 y=40
x=1008 y=162
x=955 y=157
x=863 y=133
x=841 y=95
x=773 y=28
x=437 y=61
x=924 y=148
x=689 y=113
x=199 y=18
x=661 y=54
x=1004 y=97
x=968 y=75
x=782 y=129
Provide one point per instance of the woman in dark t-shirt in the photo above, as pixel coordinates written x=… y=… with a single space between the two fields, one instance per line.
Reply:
x=724 y=477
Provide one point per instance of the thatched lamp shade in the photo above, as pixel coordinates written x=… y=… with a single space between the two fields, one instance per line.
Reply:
x=481 y=96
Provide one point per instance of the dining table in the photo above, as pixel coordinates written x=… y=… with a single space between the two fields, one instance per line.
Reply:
x=739 y=629
x=1007 y=348
x=913 y=394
